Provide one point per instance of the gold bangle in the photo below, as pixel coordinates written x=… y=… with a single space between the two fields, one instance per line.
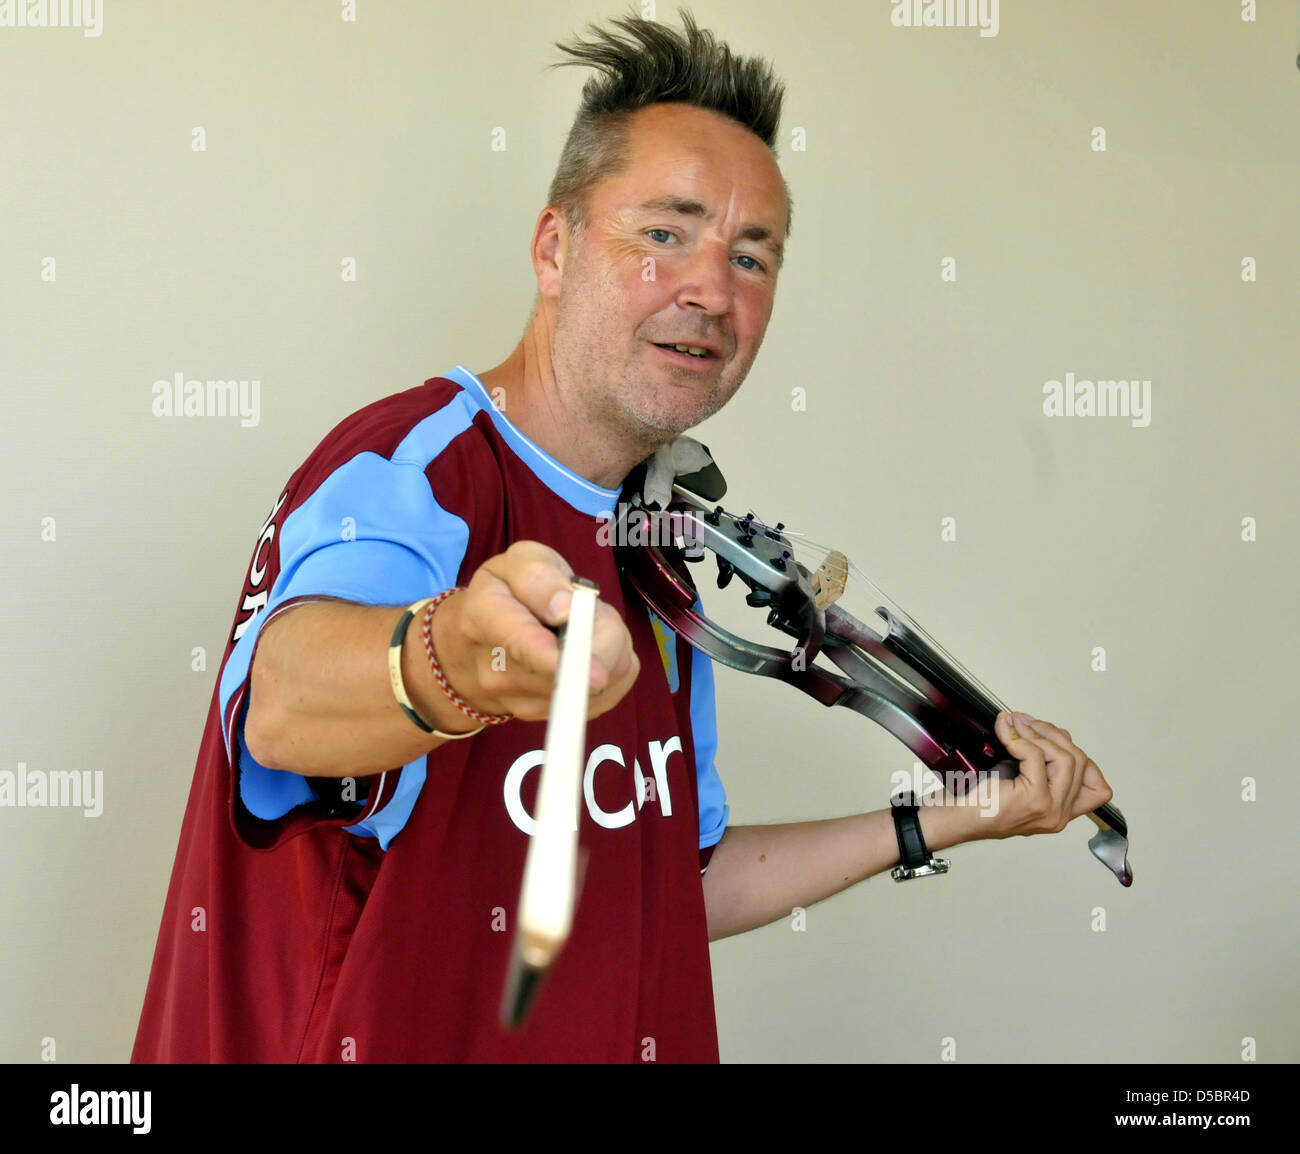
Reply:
x=399 y=686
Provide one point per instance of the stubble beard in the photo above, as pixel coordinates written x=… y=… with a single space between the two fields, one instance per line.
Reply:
x=635 y=403
x=636 y=397
x=643 y=408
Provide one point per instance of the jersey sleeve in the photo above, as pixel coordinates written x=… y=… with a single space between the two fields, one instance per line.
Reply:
x=371 y=532
x=714 y=810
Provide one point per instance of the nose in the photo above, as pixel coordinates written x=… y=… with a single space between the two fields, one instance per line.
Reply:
x=706 y=279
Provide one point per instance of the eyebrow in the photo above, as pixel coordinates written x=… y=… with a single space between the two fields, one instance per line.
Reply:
x=688 y=207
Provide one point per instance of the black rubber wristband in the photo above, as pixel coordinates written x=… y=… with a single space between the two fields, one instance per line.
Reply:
x=912 y=850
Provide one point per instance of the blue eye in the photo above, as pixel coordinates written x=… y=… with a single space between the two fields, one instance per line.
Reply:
x=754 y=265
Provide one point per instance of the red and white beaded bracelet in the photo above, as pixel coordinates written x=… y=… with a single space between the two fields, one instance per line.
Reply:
x=455 y=698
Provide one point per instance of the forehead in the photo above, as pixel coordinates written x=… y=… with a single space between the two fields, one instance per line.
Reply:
x=678 y=150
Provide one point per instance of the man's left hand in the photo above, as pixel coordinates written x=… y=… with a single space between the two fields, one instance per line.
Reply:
x=1057 y=782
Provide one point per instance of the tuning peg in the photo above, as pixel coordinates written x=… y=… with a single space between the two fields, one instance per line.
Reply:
x=725 y=572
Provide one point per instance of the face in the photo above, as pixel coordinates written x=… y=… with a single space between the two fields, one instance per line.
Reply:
x=681 y=247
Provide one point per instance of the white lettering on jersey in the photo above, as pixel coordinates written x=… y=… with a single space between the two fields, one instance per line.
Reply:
x=514 y=785
x=512 y=788
x=626 y=815
x=255 y=599
x=659 y=753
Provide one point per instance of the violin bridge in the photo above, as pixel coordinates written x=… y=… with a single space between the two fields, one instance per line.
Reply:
x=830 y=579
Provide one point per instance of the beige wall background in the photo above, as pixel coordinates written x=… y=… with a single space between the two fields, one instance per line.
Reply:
x=126 y=534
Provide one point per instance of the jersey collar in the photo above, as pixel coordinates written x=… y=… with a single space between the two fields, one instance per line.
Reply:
x=562 y=481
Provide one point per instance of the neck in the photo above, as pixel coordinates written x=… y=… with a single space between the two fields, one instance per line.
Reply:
x=553 y=419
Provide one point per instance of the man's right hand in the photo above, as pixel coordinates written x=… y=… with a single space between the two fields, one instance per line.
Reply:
x=496 y=639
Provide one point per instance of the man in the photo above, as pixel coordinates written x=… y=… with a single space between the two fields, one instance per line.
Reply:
x=352 y=850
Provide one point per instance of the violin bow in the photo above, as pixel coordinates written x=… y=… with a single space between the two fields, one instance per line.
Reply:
x=548 y=895
x=895 y=674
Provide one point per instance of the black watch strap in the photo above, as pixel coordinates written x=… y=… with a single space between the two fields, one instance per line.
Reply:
x=915 y=860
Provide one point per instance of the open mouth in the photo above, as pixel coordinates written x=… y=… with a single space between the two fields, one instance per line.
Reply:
x=687 y=352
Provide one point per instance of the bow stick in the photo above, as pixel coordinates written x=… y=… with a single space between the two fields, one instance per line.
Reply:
x=547 y=898
x=895 y=674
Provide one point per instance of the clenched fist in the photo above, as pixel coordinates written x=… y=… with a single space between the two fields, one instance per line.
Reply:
x=496 y=643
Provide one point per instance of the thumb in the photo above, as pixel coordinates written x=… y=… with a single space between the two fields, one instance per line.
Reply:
x=1018 y=746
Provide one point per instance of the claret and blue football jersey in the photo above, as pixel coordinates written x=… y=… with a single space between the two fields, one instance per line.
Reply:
x=305 y=924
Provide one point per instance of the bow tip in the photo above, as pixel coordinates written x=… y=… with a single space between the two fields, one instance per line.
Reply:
x=521 y=991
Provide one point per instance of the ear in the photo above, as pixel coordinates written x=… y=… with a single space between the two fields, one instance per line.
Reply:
x=549 y=249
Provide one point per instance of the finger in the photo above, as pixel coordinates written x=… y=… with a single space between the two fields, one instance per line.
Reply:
x=521 y=596
x=1094 y=792
x=1058 y=761
x=611 y=647
x=1045 y=780
x=615 y=690
x=1023 y=749
x=1049 y=732
x=537 y=577
x=1069 y=765
x=532 y=656
x=1064 y=768
x=511 y=640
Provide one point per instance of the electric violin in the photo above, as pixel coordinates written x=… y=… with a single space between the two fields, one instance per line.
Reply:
x=890 y=671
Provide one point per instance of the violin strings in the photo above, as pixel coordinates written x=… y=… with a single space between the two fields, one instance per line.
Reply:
x=861 y=579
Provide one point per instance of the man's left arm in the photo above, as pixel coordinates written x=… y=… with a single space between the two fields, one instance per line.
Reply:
x=758 y=874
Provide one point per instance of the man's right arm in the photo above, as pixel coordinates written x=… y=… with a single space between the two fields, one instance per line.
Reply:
x=320 y=699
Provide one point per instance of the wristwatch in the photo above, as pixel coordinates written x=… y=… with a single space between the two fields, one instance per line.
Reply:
x=915 y=859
